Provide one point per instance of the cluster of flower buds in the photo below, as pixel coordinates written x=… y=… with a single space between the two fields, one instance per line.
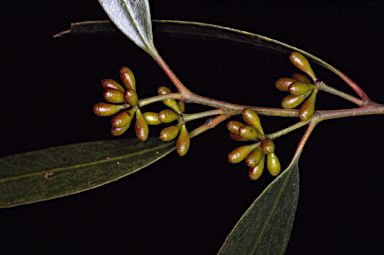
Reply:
x=253 y=154
x=115 y=93
x=125 y=98
x=167 y=116
x=300 y=87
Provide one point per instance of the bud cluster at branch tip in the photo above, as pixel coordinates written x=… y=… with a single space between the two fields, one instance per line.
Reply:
x=255 y=153
x=300 y=87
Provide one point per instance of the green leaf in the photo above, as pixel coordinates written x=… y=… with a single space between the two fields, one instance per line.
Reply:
x=266 y=226
x=204 y=31
x=46 y=174
x=133 y=18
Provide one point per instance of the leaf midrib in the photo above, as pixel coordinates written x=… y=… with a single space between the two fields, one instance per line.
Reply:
x=272 y=211
x=82 y=165
x=138 y=29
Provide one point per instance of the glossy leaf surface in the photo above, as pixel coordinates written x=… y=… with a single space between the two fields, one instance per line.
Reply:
x=55 y=172
x=266 y=226
x=133 y=18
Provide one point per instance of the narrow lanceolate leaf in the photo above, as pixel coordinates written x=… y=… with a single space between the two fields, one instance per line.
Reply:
x=46 y=174
x=266 y=226
x=197 y=30
x=133 y=18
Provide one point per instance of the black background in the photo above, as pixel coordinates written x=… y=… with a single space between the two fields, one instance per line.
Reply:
x=188 y=205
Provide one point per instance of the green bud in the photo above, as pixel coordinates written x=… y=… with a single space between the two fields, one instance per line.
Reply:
x=171 y=103
x=273 y=164
x=167 y=116
x=300 y=88
x=302 y=64
x=152 y=118
x=251 y=117
x=183 y=141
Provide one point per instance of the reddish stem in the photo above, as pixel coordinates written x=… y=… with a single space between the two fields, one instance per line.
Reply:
x=180 y=86
x=354 y=86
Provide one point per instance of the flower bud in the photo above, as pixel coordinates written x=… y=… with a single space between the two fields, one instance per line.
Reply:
x=240 y=153
x=167 y=116
x=128 y=78
x=104 y=109
x=254 y=173
x=183 y=141
x=283 y=83
x=249 y=133
x=300 y=77
x=300 y=88
x=234 y=127
x=308 y=108
x=117 y=131
x=152 y=118
x=292 y=101
x=253 y=158
x=141 y=127
x=113 y=96
x=130 y=97
x=273 y=164
x=169 y=133
x=111 y=84
x=267 y=146
x=237 y=137
x=251 y=117
x=171 y=103
x=124 y=118
x=302 y=64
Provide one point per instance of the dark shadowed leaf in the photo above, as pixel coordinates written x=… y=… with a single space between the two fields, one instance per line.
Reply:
x=60 y=171
x=133 y=18
x=188 y=29
x=266 y=226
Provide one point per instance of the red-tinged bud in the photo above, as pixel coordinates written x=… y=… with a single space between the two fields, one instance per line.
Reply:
x=141 y=127
x=267 y=146
x=113 y=96
x=254 y=173
x=234 y=127
x=301 y=77
x=237 y=137
x=124 y=118
x=117 y=131
x=253 y=158
x=128 y=78
x=111 y=84
x=283 y=83
x=104 y=109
